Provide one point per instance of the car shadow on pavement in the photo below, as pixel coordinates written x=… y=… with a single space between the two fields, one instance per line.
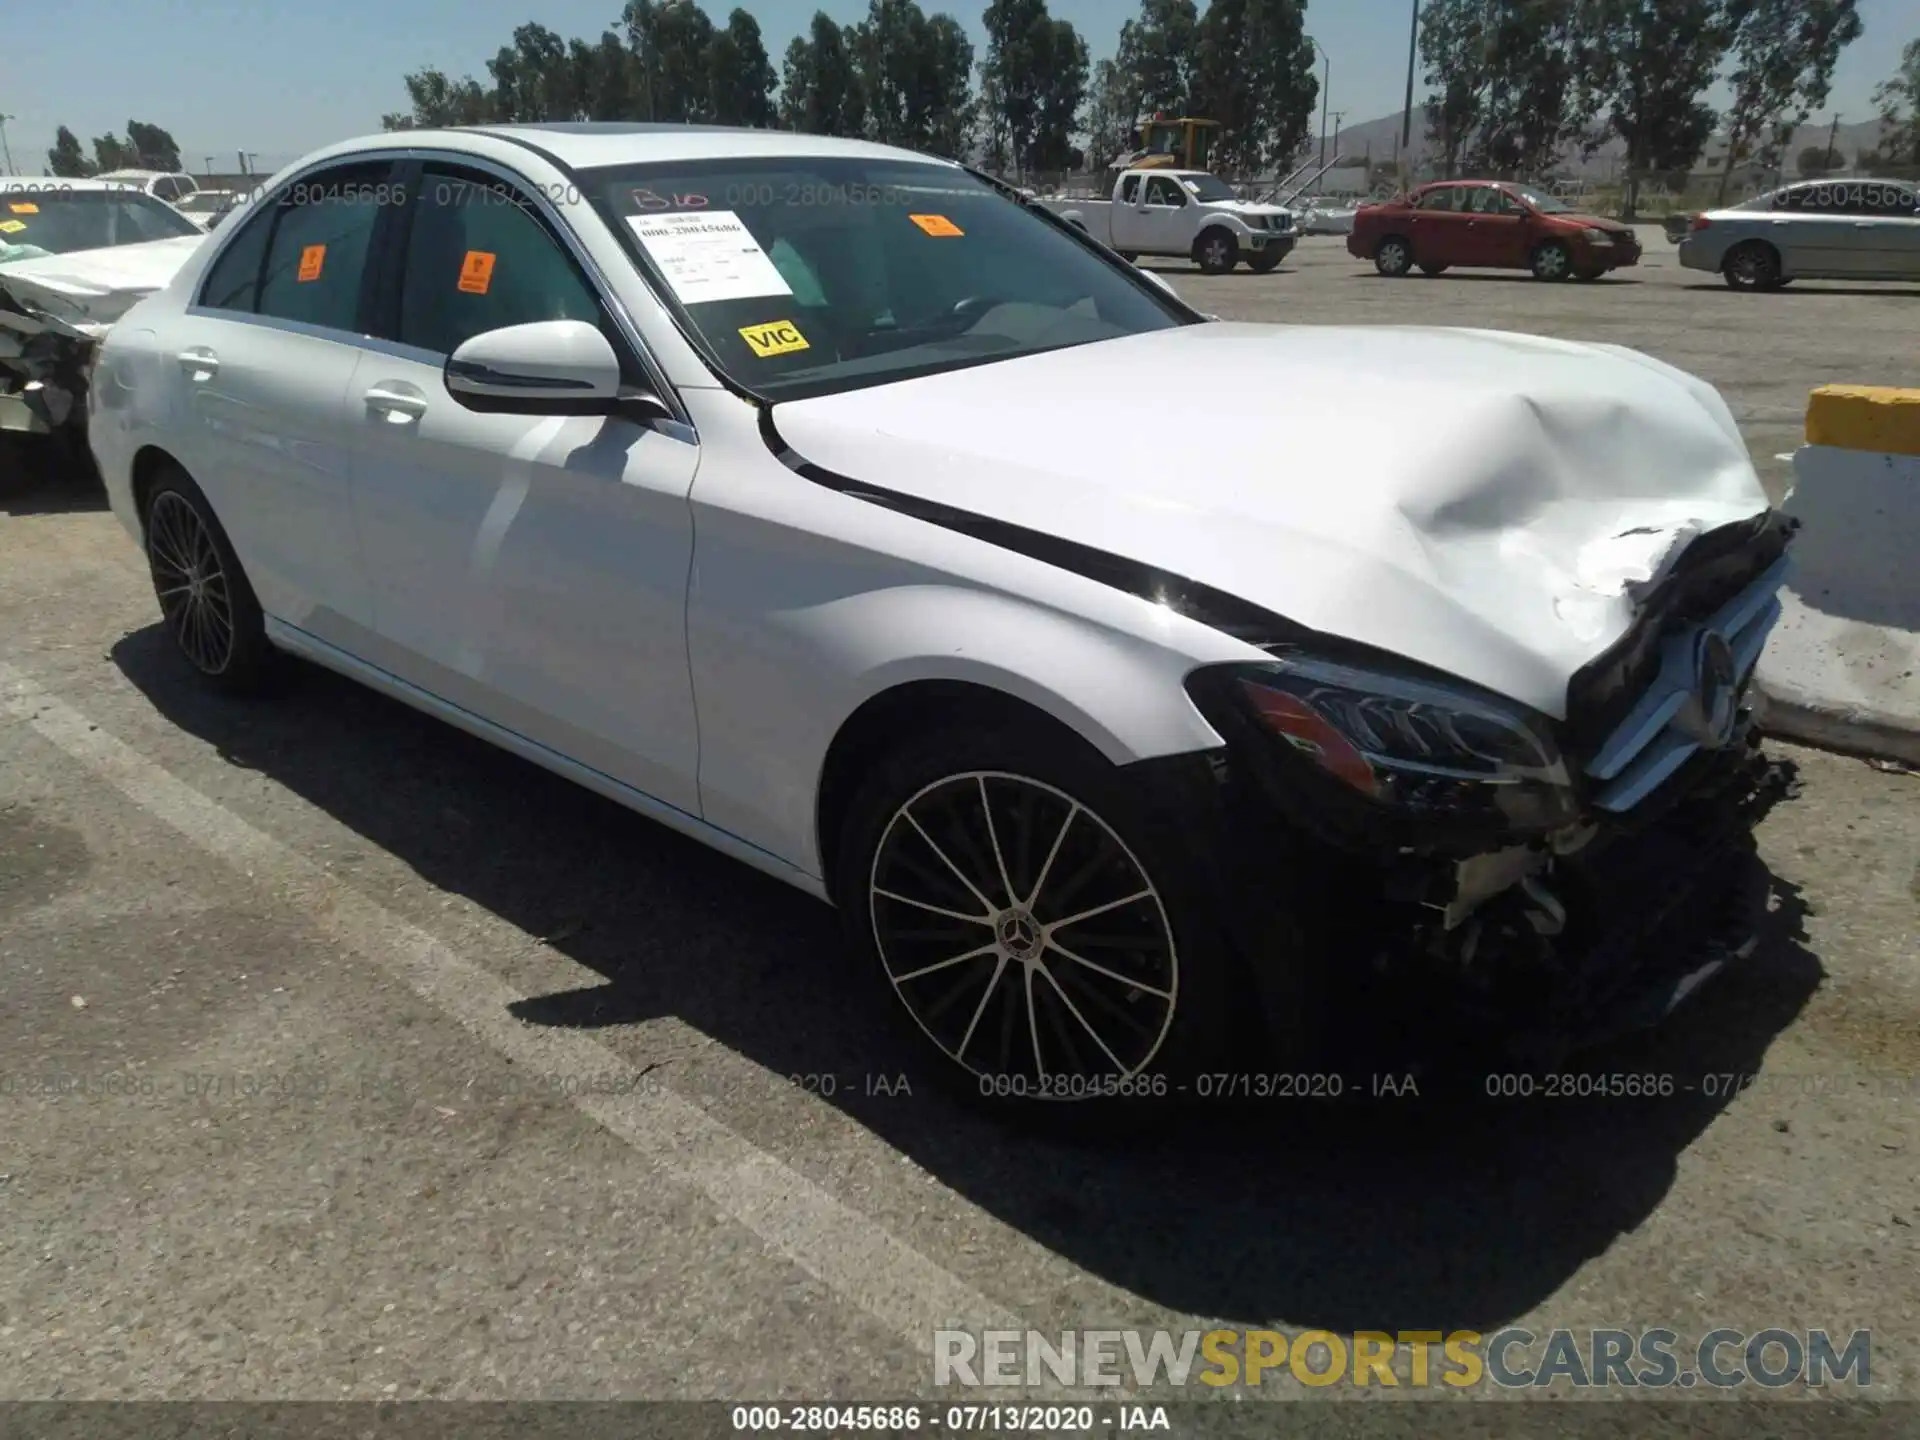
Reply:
x=1442 y=1212
x=36 y=481
x=1802 y=287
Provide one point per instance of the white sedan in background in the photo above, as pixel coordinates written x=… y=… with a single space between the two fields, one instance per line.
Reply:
x=737 y=477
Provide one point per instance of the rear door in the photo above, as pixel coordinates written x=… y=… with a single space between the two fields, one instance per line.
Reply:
x=263 y=356
x=1439 y=228
x=1811 y=231
x=530 y=569
x=1887 y=229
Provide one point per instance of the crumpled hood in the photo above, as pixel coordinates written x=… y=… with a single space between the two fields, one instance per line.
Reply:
x=1494 y=505
x=89 y=289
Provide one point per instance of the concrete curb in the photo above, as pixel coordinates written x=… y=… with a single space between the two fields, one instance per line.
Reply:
x=1842 y=667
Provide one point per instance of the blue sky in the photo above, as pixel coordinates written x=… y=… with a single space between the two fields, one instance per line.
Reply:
x=280 y=78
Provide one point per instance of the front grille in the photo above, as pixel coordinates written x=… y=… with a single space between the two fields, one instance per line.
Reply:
x=1662 y=701
x=1714 y=569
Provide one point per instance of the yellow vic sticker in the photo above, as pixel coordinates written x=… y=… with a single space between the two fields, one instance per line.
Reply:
x=776 y=337
x=12 y=227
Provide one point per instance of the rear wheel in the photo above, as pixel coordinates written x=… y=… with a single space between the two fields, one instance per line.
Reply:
x=1752 y=266
x=1264 y=262
x=1040 y=925
x=206 y=600
x=1394 y=258
x=1216 y=251
x=1551 y=261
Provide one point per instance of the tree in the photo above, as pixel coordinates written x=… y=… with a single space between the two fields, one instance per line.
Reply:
x=740 y=77
x=1063 y=57
x=672 y=39
x=153 y=148
x=946 y=82
x=606 y=77
x=1899 y=103
x=820 y=92
x=1111 y=113
x=1155 y=60
x=1815 y=160
x=1509 y=102
x=534 y=78
x=437 y=101
x=1645 y=65
x=110 y=152
x=1254 y=74
x=66 y=157
x=1784 y=55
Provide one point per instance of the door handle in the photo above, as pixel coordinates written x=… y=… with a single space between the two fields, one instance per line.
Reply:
x=199 y=362
x=399 y=402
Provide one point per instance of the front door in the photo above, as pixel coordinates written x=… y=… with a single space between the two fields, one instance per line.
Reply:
x=1162 y=218
x=1496 y=229
x=262 y=360
x=530 y=569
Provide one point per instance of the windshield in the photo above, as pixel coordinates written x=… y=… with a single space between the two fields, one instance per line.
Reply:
x=51 y=219
x=1545 y=204
x=1208 y=187
x=806 y=276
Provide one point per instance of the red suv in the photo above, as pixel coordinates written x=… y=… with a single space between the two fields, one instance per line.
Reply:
x=1491 y=225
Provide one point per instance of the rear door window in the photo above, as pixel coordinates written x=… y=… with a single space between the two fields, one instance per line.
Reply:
x=1443 y=200
x=317 y=256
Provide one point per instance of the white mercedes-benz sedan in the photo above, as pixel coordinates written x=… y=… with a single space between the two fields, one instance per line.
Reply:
x=841 y=508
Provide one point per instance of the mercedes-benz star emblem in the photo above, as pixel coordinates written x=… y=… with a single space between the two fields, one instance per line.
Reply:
x=1712 y=710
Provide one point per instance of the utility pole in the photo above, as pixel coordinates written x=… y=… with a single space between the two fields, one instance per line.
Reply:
x=1338 y=116
x=6 y=149
x=1326 y=94
x=1826 y=160
x=1413 y=51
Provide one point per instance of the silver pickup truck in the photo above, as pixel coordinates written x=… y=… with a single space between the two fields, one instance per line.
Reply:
x=1187 y=213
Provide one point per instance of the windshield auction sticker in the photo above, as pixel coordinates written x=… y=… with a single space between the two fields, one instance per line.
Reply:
x=936 y=224
x=777 y=337
x=312 y=260
x=24 y=209
x=708 y=256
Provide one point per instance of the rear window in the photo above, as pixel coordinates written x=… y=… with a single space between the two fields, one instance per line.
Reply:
x=55 y=220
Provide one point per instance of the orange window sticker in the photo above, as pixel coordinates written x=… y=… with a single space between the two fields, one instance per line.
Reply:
x=936 y=224
x=12 y=227
x=476 y=272
x=311 y=259
x=776 y=337
x=27 y=209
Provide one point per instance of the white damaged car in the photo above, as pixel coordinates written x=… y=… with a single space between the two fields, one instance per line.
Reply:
x=74 y=255
x=737 y=477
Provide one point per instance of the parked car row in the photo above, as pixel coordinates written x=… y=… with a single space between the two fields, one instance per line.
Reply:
x=1107 y=764
x=1817 y=230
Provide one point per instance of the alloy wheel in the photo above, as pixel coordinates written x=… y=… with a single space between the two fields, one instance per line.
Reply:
x=1551 y=262
x=1394 y=259
x=1216 y=252
x=190 y=582
x=1022 y=934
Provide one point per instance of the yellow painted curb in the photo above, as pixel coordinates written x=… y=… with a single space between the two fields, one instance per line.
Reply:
x=1865 y=417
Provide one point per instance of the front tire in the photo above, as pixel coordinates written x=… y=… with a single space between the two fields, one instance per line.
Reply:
x=1040 y=925
x=206 y=601
x=1216 y=252
x=1551 y=262
x=1754 y=265
x=1394 y=258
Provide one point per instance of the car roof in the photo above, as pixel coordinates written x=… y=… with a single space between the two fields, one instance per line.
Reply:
x=592 y=145
x=141 y=174
x=54 y=184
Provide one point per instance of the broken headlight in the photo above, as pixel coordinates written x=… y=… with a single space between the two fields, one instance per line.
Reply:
x=1415 y=744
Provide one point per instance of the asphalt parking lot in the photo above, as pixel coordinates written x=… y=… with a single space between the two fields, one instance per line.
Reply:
x=342 y=1057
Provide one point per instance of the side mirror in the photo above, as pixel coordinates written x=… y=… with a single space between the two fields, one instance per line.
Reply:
x=551 y=367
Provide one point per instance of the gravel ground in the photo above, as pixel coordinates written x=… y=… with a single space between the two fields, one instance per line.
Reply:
x=301 y=972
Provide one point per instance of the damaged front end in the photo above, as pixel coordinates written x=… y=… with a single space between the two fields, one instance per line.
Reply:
x=45 y=363
x=1551 y=883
